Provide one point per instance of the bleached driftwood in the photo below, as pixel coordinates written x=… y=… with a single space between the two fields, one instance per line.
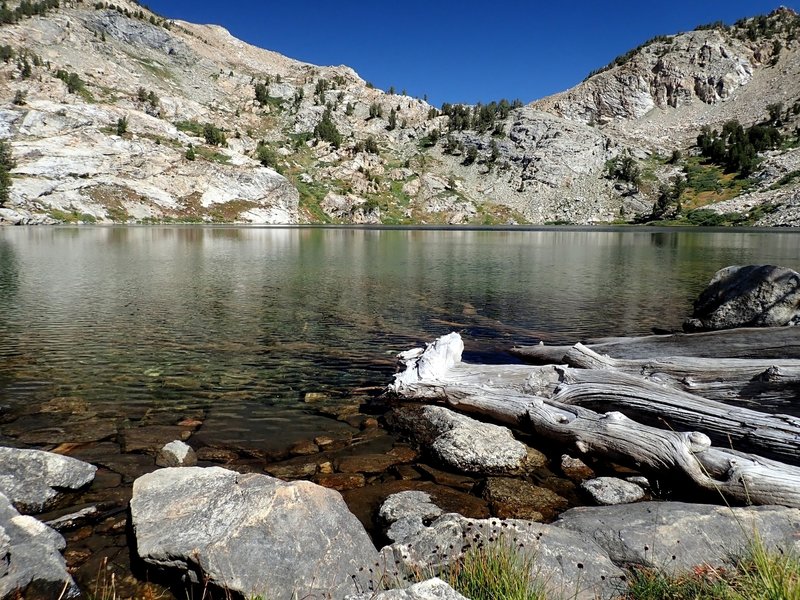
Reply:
x=740 y=476
x=767 y=381
x=752 y=342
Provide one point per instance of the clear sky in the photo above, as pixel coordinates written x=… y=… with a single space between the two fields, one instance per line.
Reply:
x=465 y=51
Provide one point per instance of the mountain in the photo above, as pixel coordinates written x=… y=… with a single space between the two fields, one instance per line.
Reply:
x=114 y=114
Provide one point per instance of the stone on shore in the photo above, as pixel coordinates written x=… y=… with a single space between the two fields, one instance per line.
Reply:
x=176 y=454
x=432 y=589
x=609 y=491
x=463 y=443
x=31 y=565
x=568 y=564
x=251 y=534
x=679 y=536
x=406 y=513
x=31 y=479
x=748 y=296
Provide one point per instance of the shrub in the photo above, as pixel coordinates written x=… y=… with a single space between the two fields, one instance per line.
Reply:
x=190 y=153
x=7 y=163
x=122 y=125
x=326 y=130
x=267 y=156
x=213 y=135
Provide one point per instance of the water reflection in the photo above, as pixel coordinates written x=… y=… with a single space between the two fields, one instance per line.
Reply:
x=134 y=319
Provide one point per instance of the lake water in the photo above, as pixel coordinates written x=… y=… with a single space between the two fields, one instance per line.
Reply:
x=114 y=325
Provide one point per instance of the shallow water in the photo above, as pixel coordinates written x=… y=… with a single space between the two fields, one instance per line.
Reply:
x=120 y=323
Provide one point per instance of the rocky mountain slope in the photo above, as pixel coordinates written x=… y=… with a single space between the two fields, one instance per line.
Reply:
x=116 y=115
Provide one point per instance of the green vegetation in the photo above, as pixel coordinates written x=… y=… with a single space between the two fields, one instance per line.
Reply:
x=480 y=118
x=72 y=216
x=122 y=126
x=6 y=53
x=213 y=135
x=625 y=58
x=736 y=148
x=497 y=571
x=759 y=575
x=192 y=127
x=326 y=130
x=6 y=164
x=190 y=153
x=267 y=156
x=26 y=8
x=624 y=168
x=74 y=82
x=20 y=98
x=786 y=179
x=212 y=155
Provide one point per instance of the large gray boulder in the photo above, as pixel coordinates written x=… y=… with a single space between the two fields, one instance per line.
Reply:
x=465 y=444
x=566 y=563
x=31 y=479
x=251 y=534
x=679 y=536
x=748 y=296
x=31 y=565
x=612 y=490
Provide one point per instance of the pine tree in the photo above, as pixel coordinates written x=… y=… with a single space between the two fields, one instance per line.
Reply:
x=6 y=164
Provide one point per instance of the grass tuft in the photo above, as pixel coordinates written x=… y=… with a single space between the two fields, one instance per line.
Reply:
x=495 y=572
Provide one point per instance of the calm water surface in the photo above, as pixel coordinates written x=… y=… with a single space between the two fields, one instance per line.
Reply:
x=240 y=323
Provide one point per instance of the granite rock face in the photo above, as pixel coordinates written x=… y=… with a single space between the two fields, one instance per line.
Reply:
x=679 y=536
x=568 y=564
x=748 y=296
x=31 y=479
x=251 y=534
x=31 y=564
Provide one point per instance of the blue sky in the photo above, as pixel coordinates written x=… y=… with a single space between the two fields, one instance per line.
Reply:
x=466 y=51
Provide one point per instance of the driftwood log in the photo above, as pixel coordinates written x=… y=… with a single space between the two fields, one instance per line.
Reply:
x=509 y=394
x=753 y=342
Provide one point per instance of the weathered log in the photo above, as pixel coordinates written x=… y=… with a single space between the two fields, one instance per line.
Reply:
x=747 y=478
x=770 y=381
x=743 y=477
x=753 y=342
x=777 y=436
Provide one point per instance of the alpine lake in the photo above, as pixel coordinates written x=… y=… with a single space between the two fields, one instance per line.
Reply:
x=267 y=349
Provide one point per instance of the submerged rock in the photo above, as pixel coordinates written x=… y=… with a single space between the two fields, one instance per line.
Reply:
x=748 y=296
x=679 y=536
x=31 y=478
x=31 y=565
x=176 y=454
x=517 y=499
x=251 y=534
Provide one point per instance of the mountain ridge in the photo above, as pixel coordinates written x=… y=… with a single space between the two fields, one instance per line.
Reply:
x=397 y=160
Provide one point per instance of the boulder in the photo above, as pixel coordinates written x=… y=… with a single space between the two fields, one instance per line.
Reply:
x=748 y=296
x=251 y=534
x=463 y=443
x=31 y=478
x=31 y=565
x=575 y=469
x=176 y=454
x=679 y=536
x=612 y=490
x=568 y=564
x=406 y=513
x=432 y=589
